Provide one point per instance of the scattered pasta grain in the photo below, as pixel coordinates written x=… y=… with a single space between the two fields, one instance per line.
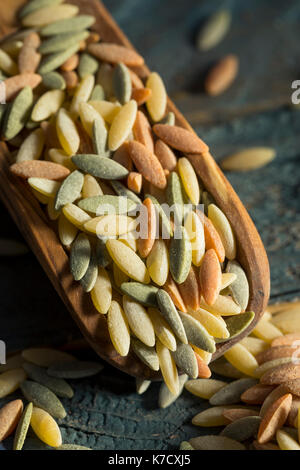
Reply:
x=7 y=64
x=15 y=84
x=118 y=328
x=171 y=315
x=99 y=136
x=243 y=428
x=135 y=181
x=224 y=305
x=82 y=94
x=238 y=323
x=128 y=261
x=197 y=334
x=204 y=388
x=44 y=186
x=287 y=320
x=39 y=169
x=221 y=75
x=212 y=238
x=214 y=30
x=22 y=428
x=147 y=164
x=214 y=324
x=146 y=354
x=139 y=321
x=257 y=394
x=266 y=331
x=248 y=159
x=44 y=357
x=156 y=104
x=168 y=368
x=158 y=263
x=101 y=293
x=211 y=417
x=9 y=417
x=142 y=293
x=180 y=256
x=142 y=385
x=32 y=146
x=254 y=345
x=142 y=131
x=122 y=83
x=141 y=95
x=122 y=125
x=53 y=61
x=165 y=397
x=74 y=369
x=189 y=180
x=17 y=113
x=224 y=368
x=195 y=232
x=76 y=23
x=66 y=230
x=224 y=230
x=285 y=441
x=165 y=155
x=185 y=359
x=69 y=190
x=88 y=115
x=239 y=288
x=274 y=418
x=114 y=54
x=242 y=359
x=210 y=276
x=43 y=398
x=45 y=427
x=180 y=139
x=233 y=414
x=67 y=132
x=39 y=374
x=232 y=392
x=80 y=256
x=49 y=14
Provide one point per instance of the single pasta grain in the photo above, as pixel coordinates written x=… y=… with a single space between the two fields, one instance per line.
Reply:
x=118 y=328
x=122 y=125
x=101 y=293
x=139 y=321
x=128 y=261
x=45 y=427
x=10 y=381
x=156 y=104
x=242 y=359
x=158 y=263
x=168 y=367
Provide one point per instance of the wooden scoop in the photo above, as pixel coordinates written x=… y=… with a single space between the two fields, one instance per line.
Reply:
x=34 y=224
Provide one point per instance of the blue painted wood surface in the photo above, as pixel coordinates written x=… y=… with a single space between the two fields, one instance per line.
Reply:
x=105 y=413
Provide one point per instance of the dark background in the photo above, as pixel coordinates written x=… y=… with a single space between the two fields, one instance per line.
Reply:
x=105 y=413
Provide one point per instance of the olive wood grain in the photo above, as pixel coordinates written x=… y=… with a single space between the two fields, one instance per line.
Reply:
x=32 y=221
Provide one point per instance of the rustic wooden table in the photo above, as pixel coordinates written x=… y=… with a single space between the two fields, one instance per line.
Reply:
x=105 y=412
